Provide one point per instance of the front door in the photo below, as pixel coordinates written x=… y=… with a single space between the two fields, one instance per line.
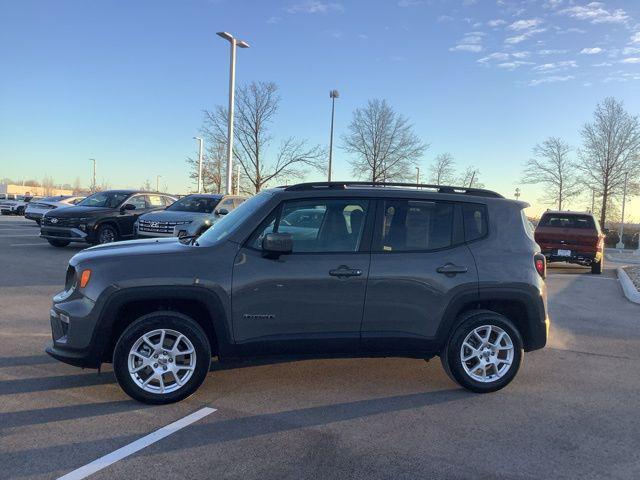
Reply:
x=419 y=263
x=311 y=300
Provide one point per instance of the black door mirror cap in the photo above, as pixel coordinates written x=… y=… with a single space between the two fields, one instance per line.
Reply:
x=128 y=206
x=222 y=211
x=276 y=244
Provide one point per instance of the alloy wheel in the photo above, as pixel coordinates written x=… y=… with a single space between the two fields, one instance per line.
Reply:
x=162 y=361
x=487 y=353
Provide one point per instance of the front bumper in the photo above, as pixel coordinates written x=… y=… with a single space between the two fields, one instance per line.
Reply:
x=63 y=233
x=73 y=330
x=33 y=216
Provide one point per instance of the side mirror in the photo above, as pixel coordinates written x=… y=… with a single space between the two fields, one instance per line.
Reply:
x=128 y=206
x=276 y=244
x=222 y=211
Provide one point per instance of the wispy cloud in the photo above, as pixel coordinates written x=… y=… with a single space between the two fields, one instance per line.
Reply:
x=313 y=6
x=591 y=51
x=595 y=12
x=523 y=36
x=556 y=66
x=631 y=50
x=551 y=79
x=471 y=42
x=513 y=65
x=548 y=51
x=630 y=60
x=525 y=24
x=445 y=18
x=274 y=19
x=496 y=23
x=602 y=64
x=635 y=38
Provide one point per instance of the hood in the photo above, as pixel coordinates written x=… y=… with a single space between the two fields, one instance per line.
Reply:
x=155 y=246
x=175 y=216
x=79 y=211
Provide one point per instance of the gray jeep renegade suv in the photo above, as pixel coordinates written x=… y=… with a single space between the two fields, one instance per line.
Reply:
x=317 y=269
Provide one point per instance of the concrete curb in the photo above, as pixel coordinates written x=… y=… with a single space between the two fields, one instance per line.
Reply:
x=628 y=287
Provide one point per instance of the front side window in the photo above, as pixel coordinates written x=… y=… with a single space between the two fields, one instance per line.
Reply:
x=318 y=226
x=138 y=201
x=104 y=199
x=416 y=225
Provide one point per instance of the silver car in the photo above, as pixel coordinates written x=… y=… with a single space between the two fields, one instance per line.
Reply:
x=36 y=209
x=191 y=215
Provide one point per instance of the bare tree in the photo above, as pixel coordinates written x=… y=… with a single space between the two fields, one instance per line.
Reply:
x=48 y=184
x=611 y=149
x=146 y=186
x=77 y=186
x=256 y=106
x=554 y=170
x=383 y=143
x=213 y=168
x=470 y=177
x=443 y=170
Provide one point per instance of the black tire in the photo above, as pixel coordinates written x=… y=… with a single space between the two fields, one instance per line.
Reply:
x=107 y=234
x=451 y=354
x=58 y=243
x=148 y=323
x=20 y=211
x=597 y=267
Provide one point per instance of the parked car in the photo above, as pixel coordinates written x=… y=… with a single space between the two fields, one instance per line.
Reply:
x=390 y=271
x=103 y=217
x=17 y=206
x=189 y=216
x=35 y=209
x=571 y=237
x=7 y=196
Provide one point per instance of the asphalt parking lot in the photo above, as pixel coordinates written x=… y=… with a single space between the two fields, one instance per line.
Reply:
x=572 y=412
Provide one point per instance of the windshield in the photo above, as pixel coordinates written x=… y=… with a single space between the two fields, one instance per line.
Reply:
x=196 y=204
x=104 y=199
x=230 y=222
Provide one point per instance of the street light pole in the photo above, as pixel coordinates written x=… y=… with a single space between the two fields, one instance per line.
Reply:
x=93 y=181
x=200 y=142
x=158 y=183
x=233 y=42
x=333 y=94
x=593 y=199
x=238 y=180
x=620 y=244
x=417 y=175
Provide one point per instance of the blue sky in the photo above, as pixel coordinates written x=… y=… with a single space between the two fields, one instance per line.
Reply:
x=125 y=82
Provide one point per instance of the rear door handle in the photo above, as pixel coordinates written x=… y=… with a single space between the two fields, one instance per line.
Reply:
x=451 y=269
x=343 y=271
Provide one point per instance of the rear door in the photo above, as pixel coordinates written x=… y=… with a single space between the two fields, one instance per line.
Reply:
x=419 y=263
x=311 y=300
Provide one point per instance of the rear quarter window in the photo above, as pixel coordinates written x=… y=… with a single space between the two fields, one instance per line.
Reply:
x=475 y=221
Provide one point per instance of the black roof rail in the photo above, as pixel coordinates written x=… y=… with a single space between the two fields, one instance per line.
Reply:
x=479 y=192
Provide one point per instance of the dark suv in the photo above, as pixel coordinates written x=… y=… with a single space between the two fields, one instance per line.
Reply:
x=320 y=269
x=103 y=217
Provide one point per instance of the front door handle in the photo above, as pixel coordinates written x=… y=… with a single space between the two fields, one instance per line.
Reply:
x=343 y=272
x=451 y=269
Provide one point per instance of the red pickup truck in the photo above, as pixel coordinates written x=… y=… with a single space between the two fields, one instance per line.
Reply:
x=572 y=237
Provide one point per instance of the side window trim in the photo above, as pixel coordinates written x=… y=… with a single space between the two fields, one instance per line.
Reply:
x=376 y=243
x=367 y=231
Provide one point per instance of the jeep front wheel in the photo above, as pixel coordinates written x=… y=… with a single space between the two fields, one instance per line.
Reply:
x=484 y=353
x=162 y=358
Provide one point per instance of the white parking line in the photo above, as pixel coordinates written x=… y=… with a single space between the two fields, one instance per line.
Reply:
x=136 y=446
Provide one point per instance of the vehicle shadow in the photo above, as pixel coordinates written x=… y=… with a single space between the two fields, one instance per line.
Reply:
x=58 y=382
x=25 y=360
x=38 y=460
x=70 y=412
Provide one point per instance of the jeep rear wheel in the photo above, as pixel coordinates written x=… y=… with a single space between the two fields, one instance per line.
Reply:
x=484 y=353
x=162 y=358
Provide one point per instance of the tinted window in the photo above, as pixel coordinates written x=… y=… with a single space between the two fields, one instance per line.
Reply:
x=475 y=221
x=138 y=201
x=194 y=203
x=227 y=203
x=318 y=225
x=104 y=199
x=413 y=225
x=567 y=221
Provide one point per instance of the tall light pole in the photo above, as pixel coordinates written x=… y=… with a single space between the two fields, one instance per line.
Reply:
x=200 y=141
x=593 y=199
x=620 y=243
x=232 y=85
x=93 y=181
x=158 y=183
x=333 y=94
x=517 y=194
x=238 y=180
x=417 y=175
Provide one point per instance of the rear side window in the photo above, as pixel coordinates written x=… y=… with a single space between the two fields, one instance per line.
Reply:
x=475 y=221
x=567 y=221
x=416 y=225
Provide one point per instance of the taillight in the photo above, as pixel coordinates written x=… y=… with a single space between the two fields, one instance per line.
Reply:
x=541 y=264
